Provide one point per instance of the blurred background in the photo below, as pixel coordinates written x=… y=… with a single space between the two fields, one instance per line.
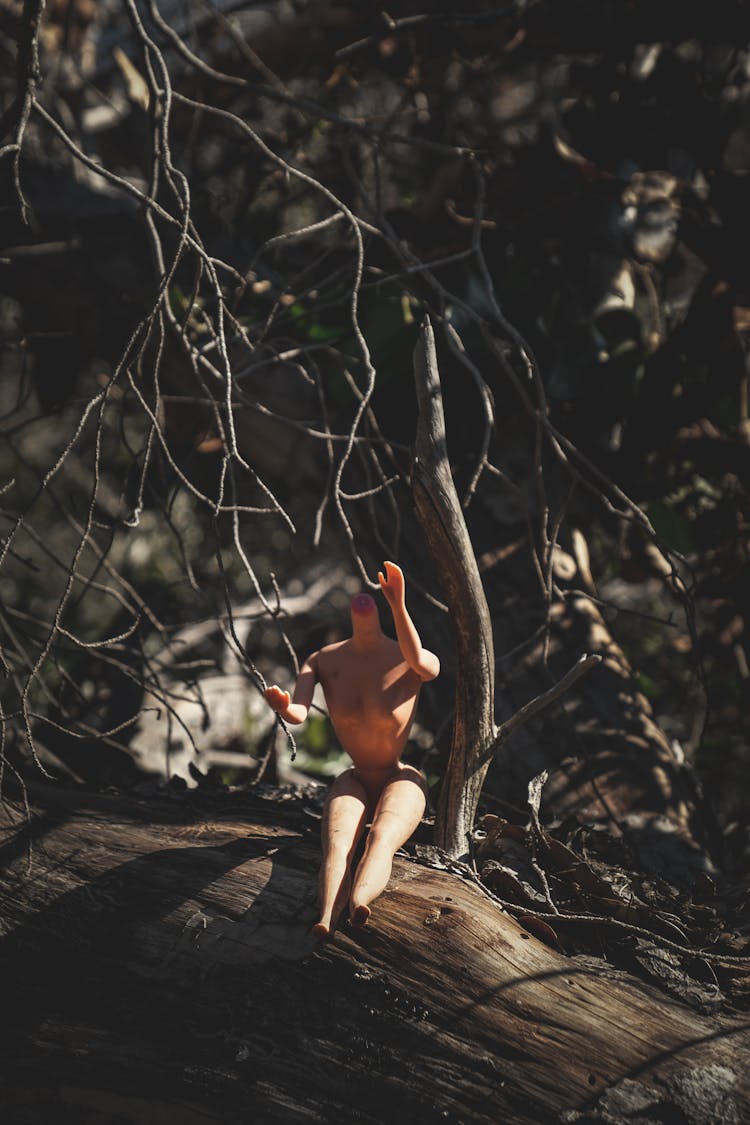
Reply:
x=221 y=226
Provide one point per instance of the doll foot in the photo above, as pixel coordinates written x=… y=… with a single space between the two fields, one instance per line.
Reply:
x=359 y=916
x=321 y=931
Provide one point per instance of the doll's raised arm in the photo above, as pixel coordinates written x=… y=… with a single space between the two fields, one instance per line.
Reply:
x=420 y=660
x=294 y=708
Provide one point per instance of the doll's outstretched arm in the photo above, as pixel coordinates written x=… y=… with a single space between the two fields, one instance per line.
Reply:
x=294 y=708
x=420 y=660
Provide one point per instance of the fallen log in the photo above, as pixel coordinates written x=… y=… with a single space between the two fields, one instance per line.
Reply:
x=156 y=967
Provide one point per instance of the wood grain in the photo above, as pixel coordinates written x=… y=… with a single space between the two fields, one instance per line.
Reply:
x=156 y=967
x=444 y=528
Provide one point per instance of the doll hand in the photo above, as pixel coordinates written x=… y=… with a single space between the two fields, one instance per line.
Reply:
x=392 y=584
x=278 y=699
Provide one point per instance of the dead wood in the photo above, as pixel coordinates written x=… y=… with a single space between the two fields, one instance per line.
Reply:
x=156 y=966
x=444 y=528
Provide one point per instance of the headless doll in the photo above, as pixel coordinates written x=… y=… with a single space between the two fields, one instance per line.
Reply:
x=371 y=685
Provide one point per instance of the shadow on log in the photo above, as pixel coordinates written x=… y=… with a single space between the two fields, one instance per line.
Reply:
x=157 y=968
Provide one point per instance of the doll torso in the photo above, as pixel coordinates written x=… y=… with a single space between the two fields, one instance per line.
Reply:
x=371 y=697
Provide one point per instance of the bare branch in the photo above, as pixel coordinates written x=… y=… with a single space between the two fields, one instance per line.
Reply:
x=538 y=703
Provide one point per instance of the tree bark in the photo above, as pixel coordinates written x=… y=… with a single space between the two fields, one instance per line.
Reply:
x=156 y=967
x=444 y=529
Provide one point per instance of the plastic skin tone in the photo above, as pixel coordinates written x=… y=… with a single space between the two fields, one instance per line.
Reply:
x=371 y=685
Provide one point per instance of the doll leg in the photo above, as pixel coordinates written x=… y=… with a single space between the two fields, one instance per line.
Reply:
x=344 y=819
x=398 y=812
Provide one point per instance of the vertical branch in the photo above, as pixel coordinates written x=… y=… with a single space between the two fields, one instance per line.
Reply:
x=439 y=513
x=28 y=77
